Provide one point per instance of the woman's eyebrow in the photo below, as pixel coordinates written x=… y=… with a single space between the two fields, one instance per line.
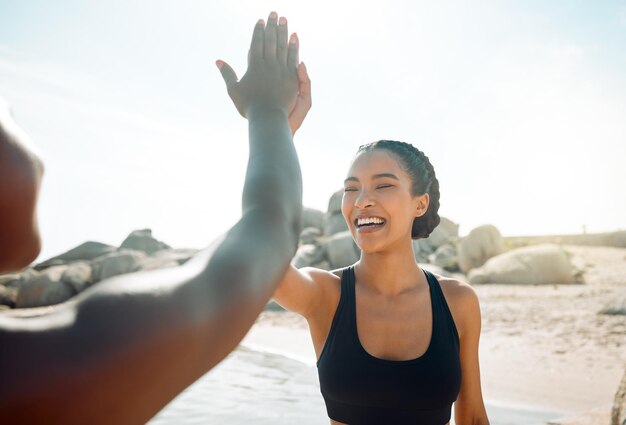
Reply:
x=374 y=177
x=385 y=175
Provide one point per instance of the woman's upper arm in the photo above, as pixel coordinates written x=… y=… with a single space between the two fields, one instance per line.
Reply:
x=469 y=407
x=301 y=290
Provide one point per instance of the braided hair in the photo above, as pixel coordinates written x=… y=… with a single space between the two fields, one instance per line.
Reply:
x=423 y=180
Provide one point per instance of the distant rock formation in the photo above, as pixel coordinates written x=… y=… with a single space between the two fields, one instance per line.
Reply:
x=478 y=246
x=60 y=278
x=531 y=265
x=142 y=240
x=85 y=251
x=326 y=243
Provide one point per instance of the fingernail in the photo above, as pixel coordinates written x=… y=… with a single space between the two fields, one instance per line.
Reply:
x=219 y=64
x=273 y=15
x=282 y=21
x=260 y=21
x=293 y=38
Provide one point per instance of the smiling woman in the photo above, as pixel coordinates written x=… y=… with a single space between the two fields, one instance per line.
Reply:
x=394 y=343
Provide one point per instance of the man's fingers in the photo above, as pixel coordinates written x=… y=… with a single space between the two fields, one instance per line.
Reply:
x=292 y=52
x=281 y=41
x=256 y=45
x=269 y=47
x=228 y=74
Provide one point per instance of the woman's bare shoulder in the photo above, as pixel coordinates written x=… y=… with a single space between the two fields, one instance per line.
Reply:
x=330 y=278
x=456 y=289
x=462 y=300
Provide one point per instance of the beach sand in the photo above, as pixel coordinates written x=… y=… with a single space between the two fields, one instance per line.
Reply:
x=542 y=347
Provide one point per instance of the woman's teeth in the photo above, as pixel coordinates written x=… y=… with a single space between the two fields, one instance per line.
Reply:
x=369 y=221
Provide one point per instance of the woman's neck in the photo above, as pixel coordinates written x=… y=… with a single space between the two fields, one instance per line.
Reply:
x=389 y=273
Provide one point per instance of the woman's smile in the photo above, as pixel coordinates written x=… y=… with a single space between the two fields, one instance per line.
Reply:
x=369 y=224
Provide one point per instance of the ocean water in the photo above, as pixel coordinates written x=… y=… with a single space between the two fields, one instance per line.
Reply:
x=257 y=387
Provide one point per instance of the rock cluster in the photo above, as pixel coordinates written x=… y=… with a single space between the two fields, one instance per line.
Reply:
x=60 y=278
x=325 y=242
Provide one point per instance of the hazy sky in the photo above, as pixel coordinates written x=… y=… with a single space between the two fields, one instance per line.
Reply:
x=521 y=107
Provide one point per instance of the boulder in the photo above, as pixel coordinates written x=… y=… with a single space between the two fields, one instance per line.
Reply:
x=334 y=223
x=312 y=218
x=10 y=279
x=478 y=246
x=44 y=289
x=310 y=235
x=445 y=256
x=617 y=306
x=116 y=263
x=78 y=276
x=334 y=203
x=447 y=231
x=618 y=413
x=341 y=250
x=307 y=256
x=15 y=280
x=421 y=250
x=537 y=264
x=142 y=240
x=86 y=252
x=8 y=296
x=324 y=265
x=180 y=255
x=157 y=262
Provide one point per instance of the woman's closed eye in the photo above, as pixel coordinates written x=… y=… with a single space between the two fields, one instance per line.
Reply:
x=350 y=189
x=384 y=186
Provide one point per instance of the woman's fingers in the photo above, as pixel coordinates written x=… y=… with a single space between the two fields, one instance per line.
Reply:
x=281 y=42
x=228 y=74
x=292 y=52
x=256 y=45
x=269 y=48
x=304 y=84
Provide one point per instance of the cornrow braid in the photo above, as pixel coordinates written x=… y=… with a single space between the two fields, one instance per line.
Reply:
x=423 y=180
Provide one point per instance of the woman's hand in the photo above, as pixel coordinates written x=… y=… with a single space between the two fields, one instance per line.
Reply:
x=303 y=103
x=271 y=81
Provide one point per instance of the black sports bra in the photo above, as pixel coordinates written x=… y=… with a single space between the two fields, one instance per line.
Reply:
x=360 y=389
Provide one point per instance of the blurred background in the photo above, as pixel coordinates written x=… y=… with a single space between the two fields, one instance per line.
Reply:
x=520 y=106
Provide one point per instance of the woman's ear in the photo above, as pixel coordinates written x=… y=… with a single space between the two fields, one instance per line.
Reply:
x=421 y=204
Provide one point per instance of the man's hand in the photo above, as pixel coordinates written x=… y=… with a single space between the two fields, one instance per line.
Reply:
x=271 y=81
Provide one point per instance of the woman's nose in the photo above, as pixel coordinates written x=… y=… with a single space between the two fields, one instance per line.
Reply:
x=364 y=200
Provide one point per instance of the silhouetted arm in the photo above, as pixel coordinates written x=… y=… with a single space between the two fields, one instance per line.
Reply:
x=124 y=348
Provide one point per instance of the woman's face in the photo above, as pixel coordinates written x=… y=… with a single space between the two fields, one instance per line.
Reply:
x=377 y=202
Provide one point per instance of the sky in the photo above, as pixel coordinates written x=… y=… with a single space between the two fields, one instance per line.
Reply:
x=521 y=107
